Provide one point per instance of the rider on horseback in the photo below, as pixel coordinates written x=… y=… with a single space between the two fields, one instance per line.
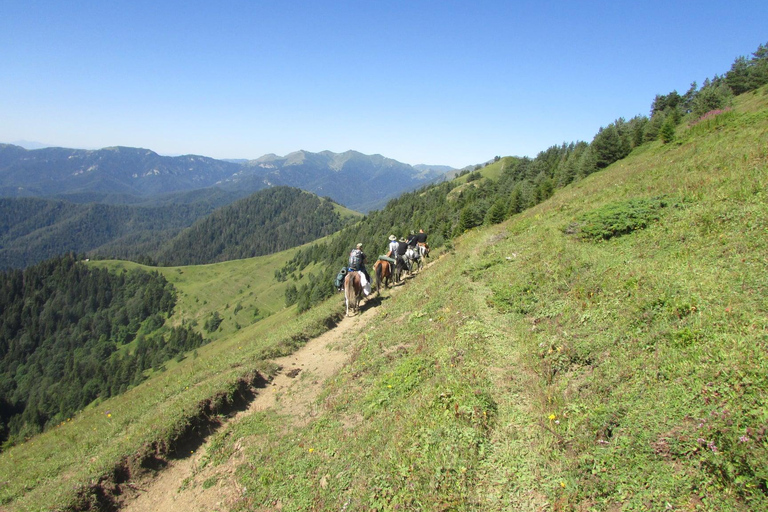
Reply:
x=392 y=246
x=402 y=249
x=357 y=261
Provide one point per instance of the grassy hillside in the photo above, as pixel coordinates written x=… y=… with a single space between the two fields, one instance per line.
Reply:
x=109 y=440
x=604 y=350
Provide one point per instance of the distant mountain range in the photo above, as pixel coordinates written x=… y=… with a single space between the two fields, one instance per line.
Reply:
x=122 y=175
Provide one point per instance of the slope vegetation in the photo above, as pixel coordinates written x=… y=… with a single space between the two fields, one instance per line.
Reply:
x=33 y=229
x=75 y=464
x=605 y=349
x=267 y=222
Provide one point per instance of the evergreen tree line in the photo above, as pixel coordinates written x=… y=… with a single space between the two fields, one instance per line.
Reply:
x=668 y=110
x=32 y=229
x=448 y=209
x=267 y=222
x=70 y=334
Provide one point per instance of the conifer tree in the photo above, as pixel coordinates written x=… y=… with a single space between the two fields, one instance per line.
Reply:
x=667 y=132
x=497 y=213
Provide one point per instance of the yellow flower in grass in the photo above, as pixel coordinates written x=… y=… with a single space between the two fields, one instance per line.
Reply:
x=552 y=417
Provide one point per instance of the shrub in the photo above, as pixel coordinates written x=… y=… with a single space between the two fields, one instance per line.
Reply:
x=616 y=219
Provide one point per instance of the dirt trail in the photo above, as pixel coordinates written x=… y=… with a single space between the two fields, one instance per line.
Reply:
x=179 y=487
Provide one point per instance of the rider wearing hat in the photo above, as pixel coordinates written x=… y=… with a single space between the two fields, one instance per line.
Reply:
x=392 y=247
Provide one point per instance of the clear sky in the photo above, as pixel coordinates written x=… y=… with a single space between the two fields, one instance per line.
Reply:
x=437 y=82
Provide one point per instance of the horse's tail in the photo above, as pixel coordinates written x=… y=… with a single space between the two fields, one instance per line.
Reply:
x=349 y=291
x=377 y=267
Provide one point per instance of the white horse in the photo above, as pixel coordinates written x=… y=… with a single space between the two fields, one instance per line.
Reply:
x=411 y=258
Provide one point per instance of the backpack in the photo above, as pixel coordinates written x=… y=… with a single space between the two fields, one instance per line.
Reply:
x=339 y=281
x=355 y=259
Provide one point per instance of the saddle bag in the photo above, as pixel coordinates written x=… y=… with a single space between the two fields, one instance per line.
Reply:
x=339 y=281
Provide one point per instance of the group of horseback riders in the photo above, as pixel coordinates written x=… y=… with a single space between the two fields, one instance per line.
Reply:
x=403 y=255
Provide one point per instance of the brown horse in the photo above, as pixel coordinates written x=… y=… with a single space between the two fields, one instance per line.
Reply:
x=353 y=291
x=383 y=271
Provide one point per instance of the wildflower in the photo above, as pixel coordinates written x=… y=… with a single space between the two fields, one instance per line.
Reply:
x=311 y=450
x=552 y=417
x=562 y=484
x=744 y=439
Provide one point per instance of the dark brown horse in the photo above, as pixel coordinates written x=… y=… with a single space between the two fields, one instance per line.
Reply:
x=383 y=271
x=353 y=291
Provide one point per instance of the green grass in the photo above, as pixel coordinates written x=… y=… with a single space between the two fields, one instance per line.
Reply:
x=533 y=369
x=529 y=369
x=49 y=471
x=490 y=172
x=243 y=285
x=347 y=215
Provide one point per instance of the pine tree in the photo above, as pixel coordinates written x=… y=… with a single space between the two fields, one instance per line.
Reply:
x=667 y=132
x=497 y=213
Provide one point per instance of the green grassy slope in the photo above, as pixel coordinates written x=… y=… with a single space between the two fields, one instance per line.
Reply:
x=537 y=369
x=533 y=368
x=49 y=471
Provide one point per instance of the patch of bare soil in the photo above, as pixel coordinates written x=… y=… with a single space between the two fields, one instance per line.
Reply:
x=184 y=486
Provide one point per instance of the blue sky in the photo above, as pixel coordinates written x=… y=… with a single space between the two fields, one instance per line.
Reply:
x=437 y=82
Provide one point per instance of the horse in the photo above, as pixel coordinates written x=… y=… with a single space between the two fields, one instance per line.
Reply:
x=383 y=271
x=400 y=267
x=409 y=258
x=422 y=251
x=353 y=291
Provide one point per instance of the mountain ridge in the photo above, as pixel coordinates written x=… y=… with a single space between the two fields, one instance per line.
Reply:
x=140 y=172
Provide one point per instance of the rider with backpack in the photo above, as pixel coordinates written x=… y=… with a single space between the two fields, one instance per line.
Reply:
x=357 y=261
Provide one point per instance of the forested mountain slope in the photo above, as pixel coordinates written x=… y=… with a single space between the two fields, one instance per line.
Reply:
x=64 y=335
x=32 y=229
x=269 y=221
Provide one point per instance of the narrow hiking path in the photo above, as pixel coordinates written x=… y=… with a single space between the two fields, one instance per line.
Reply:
x=183 y=485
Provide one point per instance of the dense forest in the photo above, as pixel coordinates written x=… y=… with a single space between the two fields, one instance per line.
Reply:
x=32 y=230
x=269 y=221
x=70 y=334
x=449 y=209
